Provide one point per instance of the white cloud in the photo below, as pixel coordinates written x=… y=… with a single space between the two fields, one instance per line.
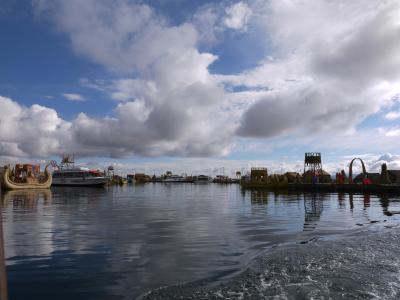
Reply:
x=393 y=115
x=39 y=132
x=34 y=131
x=331 y=64
x=335 y=64
x=73 y=97
x=136 y=128
x=207 y=21
x=237 y=16
x=107 y=33
x=393 y=132
x=172 y=105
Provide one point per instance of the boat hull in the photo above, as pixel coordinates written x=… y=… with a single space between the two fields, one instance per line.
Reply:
x=101 y=181
x=8 y=184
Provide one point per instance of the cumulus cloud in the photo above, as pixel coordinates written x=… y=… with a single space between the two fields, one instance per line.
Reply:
x=334 y=64
x=330 y=65
x=207 y=21
x=237 y=16
x=39 y=131
x=105 y=33
x=171 y=103
x=34 y=131
x=73 y=97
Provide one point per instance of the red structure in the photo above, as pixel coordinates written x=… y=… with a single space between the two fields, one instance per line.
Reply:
x=341 y=177
x=351 y=169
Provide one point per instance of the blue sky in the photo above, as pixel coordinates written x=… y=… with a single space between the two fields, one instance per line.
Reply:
x=37 y=60
x=154 y=82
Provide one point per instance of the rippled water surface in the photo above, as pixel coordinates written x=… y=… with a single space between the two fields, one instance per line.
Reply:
x=117 y=243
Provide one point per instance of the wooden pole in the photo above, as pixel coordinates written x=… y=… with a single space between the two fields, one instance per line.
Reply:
x=3 y=274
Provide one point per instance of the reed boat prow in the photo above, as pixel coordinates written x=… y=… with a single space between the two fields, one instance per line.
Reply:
x=8 y=183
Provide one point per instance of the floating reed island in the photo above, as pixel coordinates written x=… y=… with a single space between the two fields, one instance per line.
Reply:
x=314 y=178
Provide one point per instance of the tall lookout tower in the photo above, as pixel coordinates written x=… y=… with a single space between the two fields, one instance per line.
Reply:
x=313 y=162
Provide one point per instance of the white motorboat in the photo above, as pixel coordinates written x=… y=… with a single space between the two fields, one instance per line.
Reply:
x=174 y=178
x=68 y=175
x=202 y=179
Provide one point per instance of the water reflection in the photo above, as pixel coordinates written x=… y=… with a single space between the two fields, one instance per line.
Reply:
x=313 y=207
x=82 y=193
x=367 y=200
x=351 y=201
x=341 y=200
x=122 y=241
x=259 y=197
x=385 y=203
x=26 y=198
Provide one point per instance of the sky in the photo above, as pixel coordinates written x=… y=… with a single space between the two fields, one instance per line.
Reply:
x=200 y=86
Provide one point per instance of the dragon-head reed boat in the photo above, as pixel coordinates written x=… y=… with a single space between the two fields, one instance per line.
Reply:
x=25 y=176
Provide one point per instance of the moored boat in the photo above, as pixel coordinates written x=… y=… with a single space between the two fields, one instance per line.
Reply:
x=78 y=177
x=68 y=175
x=175 y=179
x=202 y=179
x=25 y=176
x=222 y=179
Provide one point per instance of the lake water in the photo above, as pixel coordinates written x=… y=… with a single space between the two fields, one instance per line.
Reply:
x=120 y=242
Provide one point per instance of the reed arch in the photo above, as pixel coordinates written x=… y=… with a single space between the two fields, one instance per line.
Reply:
x=364 y=171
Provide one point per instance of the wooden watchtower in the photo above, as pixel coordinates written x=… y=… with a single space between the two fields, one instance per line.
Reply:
x=313 y=162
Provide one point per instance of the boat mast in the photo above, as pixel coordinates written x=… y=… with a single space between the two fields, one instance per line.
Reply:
x=67 y=161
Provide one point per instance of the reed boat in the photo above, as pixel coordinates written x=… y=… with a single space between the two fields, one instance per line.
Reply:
x=25 y=177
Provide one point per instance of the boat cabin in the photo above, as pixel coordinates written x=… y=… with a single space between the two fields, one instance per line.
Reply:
x=26 y=173
x=76 y=174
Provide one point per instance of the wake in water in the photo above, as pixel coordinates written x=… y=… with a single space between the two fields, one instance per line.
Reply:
x=363 y=267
